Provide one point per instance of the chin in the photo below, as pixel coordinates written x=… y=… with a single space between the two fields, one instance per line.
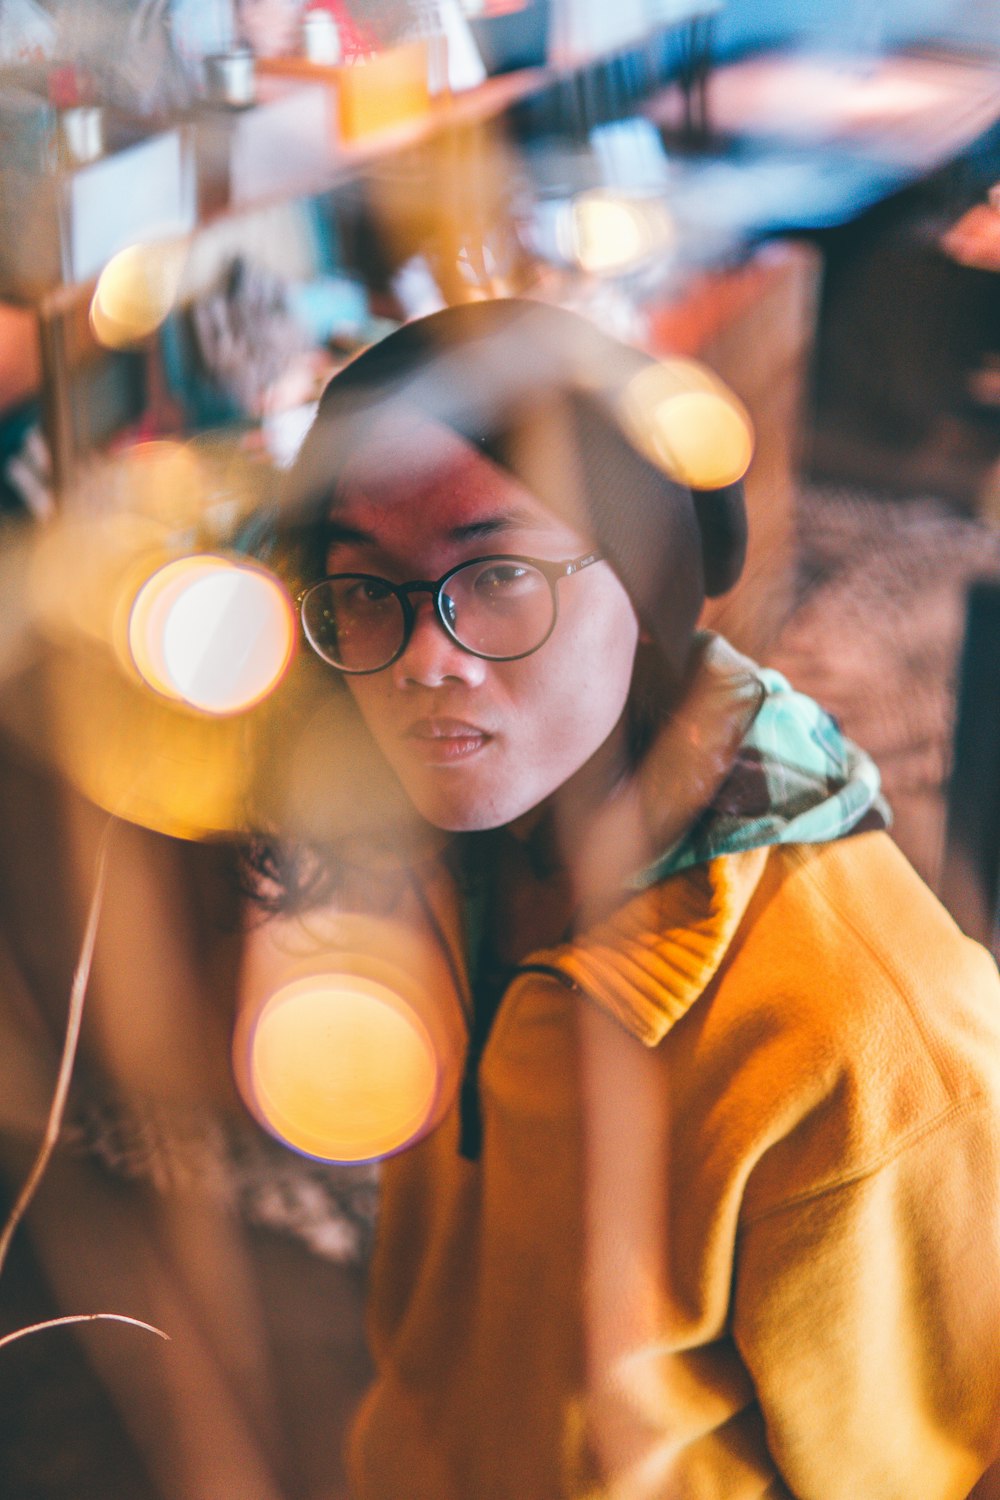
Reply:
x=467 y=814
x=466 y=819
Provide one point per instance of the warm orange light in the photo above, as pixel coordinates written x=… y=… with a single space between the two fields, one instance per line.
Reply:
x=212 y=633
x=689 y=422
x=183 y=774
x=342 y=1068
x=350 y=1036
x=136 y=291
x=82 y=571
x=705 y=438
x=163 y=479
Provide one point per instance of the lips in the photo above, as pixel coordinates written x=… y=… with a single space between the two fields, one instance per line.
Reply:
x=444 y=741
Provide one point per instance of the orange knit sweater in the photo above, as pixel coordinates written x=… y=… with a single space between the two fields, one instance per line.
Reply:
x=735 y=1229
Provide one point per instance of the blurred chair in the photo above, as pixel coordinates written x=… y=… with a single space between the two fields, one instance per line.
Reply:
x=970 y=880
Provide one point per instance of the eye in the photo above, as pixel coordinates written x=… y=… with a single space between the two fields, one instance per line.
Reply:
x=499 y=580
x=359 y=592
x=363 y=599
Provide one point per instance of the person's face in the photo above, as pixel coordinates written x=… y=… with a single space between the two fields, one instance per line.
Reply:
x=477 y=744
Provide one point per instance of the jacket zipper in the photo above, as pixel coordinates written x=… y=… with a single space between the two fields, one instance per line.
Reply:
x=487 y=1000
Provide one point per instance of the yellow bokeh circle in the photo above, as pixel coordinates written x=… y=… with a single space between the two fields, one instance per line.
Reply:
x=342 y=1068
x=688 y=421
x=136 y=291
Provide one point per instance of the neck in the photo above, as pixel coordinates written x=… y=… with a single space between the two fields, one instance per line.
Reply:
x=534 y=895
x=563 y=818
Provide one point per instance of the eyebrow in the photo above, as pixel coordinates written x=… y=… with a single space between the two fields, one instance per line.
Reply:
x=339 y=534
x=336 y=534
x=490 y=525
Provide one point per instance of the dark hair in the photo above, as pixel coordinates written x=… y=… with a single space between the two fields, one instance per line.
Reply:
x=538 y=389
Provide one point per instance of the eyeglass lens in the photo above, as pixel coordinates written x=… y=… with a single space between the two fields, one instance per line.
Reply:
x=500 y=608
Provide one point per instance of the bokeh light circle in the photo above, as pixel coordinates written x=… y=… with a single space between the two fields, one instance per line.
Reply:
x=136 y=291
x=212 y=633
x=342 y=1068
x=688 y=421
x=705 y=438
x=611 y=233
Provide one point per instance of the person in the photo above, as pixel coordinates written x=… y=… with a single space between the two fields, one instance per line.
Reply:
x=715 y=1208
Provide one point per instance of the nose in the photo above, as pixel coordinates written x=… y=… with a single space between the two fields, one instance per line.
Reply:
x=431 y=657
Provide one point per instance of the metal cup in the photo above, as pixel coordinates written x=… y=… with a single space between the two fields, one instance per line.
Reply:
x=230 y=78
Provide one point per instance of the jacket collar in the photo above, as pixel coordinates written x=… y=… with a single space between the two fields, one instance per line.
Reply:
x=652 y=958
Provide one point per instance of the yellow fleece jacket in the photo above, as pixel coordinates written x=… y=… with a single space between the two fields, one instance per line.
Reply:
x=735 y=1228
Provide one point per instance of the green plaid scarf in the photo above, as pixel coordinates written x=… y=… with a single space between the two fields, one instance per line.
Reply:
x=796 y=779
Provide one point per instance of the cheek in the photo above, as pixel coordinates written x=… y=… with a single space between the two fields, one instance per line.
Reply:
x=370 y=698
x=580 y=688
x=552 y=712
x=604 y=639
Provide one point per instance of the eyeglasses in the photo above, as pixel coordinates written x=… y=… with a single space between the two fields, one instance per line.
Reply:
x=500 y=608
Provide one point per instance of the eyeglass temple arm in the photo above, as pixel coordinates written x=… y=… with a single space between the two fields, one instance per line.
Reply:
x=579 y=563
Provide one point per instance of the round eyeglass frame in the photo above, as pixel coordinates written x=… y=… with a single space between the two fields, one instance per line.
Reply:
x=550 y=571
